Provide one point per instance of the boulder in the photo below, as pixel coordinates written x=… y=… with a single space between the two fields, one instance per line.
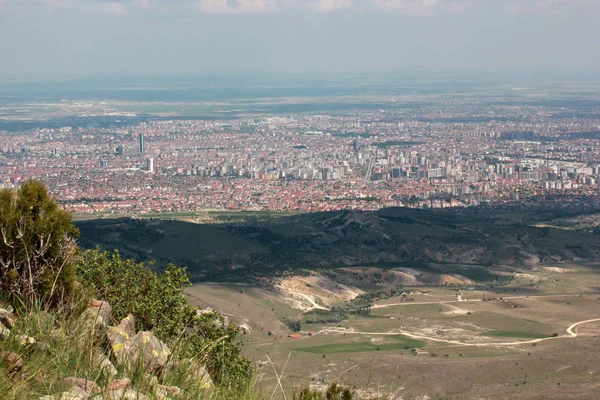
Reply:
x=105 y=365
x=120 y=343
x=154 y=352
x=103 y=309
x=127 y=325
x=92 y=319
x=198 y=372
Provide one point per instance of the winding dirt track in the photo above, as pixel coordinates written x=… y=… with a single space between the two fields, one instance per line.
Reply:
x=570 y=332
x=408 y=303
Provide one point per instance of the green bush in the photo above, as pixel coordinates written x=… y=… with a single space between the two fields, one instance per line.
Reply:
x=333 y=392
x=37 y=248
x=157 y=301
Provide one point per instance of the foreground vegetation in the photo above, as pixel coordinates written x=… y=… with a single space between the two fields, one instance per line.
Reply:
x=90 y=324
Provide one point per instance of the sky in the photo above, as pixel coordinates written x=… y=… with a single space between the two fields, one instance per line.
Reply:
x=60 y=38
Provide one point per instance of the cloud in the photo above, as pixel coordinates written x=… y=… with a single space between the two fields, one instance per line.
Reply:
x=328 y=5
x=236 y=6
x=114 y=7
x=142 y=3
x=414 y=7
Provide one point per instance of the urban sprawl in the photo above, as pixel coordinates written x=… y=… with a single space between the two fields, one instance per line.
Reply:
x=510 y=156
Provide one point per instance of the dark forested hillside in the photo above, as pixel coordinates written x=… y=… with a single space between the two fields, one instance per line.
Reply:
x=387 y=238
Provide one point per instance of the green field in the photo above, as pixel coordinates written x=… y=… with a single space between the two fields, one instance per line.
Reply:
x=401 y=342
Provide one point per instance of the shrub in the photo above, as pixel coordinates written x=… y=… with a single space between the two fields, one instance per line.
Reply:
x=333 y=392
x=294 y=325
x=157 y=301
x=37 y=248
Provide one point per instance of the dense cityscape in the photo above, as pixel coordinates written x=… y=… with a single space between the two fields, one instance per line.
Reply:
x=458 y=153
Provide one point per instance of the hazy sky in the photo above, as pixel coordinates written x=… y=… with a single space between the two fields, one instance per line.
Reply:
x=45 y=38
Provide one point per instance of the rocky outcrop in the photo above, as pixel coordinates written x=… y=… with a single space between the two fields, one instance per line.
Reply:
x=127 y=346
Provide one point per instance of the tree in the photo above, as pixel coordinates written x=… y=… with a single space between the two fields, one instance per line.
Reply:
x=37 y=247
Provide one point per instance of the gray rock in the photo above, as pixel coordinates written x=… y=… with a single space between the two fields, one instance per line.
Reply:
x=154 y=352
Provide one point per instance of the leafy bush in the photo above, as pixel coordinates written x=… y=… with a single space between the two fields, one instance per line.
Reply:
x=333 y=392
x=157 y=301
x=37 y=248
x=295 y=325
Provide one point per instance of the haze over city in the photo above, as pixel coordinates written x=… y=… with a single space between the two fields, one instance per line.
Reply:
x=88 y=38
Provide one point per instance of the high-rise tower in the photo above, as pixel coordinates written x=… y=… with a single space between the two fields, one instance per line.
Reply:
x=141 y=149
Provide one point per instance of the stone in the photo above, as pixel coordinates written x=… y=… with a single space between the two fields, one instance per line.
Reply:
x=167 y=392
x=25 y=340
x=102 y=308
x=120 y=343
x=122 y=390
x=127 y=394
x=81 y=386
x=154 y=352
x=199 y=372
x=127 y=325
x=92 y=318
x=78 y=389
x=105 y=365
x=4 y=331
x=120 y=384
x=7 y=318
x=11 y=361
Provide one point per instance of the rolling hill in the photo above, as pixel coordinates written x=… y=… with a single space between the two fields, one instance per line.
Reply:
x=477 y=242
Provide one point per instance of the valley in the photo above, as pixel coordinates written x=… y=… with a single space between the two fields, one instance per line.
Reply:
x=529 y=337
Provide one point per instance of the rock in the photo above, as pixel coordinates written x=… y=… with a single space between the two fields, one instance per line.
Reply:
x=167 y=392
x=65 y=396
x=105 y=365
x=127 y=394
x=199 y=372
x=92 y=318
x=25 y=340
x=7 y=318
x=82 y=386
x=127 y=325
x=122 y=390
x=102 y=308
x=78 y=389
x=154 y=352
x=4 y=331
x=11 y=361
x=120 y=343
x=120 y=384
